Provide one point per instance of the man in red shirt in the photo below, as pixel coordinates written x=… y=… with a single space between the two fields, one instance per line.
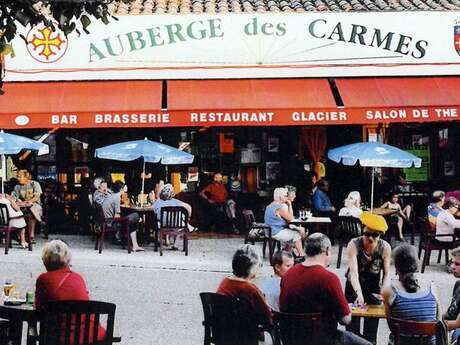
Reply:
x=216 y=194
x=310 y=288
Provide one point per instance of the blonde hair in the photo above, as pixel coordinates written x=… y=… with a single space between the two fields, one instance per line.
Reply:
x=279 y=193
x=55 y=255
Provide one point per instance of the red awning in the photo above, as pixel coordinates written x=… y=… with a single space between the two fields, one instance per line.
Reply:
x=82 y=104
x=240 y=102
x=253 y=102
x=401 y=99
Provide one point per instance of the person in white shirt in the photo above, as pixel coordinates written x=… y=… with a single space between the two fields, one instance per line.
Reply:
x=352 y=206
x=16 y=217
x=282 y=261
x=446 y=222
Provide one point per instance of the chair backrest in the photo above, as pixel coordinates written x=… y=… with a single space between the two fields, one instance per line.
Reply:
x=173 y=217
x=350 y=227
x=228 y=321
x=76 y=323
x=248 y=217
x=406 y=328
x=298 y=329
x=4 y=215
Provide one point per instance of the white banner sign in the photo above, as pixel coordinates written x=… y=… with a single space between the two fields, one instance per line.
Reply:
x=244 y=46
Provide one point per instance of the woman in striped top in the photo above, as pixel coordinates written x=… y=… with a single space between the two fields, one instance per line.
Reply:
x=408 y=298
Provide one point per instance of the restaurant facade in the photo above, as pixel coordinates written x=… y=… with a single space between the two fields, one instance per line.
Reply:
x=262 y=96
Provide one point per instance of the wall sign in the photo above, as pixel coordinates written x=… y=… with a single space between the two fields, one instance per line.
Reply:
x=243 y=45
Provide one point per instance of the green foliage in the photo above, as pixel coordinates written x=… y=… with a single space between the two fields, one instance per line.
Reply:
x=68 y=15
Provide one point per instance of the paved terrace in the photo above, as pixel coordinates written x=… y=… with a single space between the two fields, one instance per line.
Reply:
x=157 y=297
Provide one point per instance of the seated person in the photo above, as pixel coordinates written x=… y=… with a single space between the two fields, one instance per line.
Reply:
x=452 y=314
x=166 y=198
x=446 y=222
x=400 y=216
x=292 y=193
x=310 y=288
x=246 y=264
x=368 y=257
x=277 y=216
x=16 y=217
x=101 y=193
x=59 y=283
x=321 y=203
x=352 y=206
x=216 y=194
x=409 y=298
x=112 y=209
x=435 y=207
x=28 y=193
x=282 y=261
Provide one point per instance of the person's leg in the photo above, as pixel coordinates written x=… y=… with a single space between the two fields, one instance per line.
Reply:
x=133 y=220
x=299 y=246
x=31 y=226
x=370 y=329
x=400 y=228
x=230 y=210
x=22 y=238
x=177 y=241
x=354 y=326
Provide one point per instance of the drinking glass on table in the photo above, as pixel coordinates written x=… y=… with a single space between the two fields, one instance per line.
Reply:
x=8 y=288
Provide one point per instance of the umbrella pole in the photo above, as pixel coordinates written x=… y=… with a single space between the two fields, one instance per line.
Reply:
x=372 y=189
x=3 y=173
x=143 y=183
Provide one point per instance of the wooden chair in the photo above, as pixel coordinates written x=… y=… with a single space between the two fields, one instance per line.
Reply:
x=349 y=228
x=429 y=242
x=404 y=329
x=227 y=321
x=173 y=222
x=297 y=329
x=265 y=235
x=76 y=323
x=4 y=324
x=111 y=226
x=8 y=230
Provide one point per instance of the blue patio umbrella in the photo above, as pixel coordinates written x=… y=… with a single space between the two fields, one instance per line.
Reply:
x=150 y=151
x=11 y=144
x=374 y=154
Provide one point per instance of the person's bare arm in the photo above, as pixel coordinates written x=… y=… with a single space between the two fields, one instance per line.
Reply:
x=284 y=213
x=385 y=205
x=387 y=294
x=386 y=264
x=352 y=255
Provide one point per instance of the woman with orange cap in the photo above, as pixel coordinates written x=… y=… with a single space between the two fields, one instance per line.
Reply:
x=368 y=257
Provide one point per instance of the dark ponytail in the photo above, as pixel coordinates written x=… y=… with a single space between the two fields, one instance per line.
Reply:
x=410 y=282
x=406 y=263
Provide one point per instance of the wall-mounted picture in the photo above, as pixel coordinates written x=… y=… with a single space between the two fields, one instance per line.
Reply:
x=273 y=144
x=272 y=170
x=250 y=155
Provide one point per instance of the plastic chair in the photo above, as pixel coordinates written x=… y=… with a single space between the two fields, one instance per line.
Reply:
x=349 y=227
x=173 y=222
x=8 y=230
x=227 y=321
x=297 y=329
x=265 y=237
x=76 y=323
x=404 y=329
x=429 y=242
x=111 y=226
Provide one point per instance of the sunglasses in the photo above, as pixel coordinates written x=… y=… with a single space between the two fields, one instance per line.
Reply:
x=371 y=234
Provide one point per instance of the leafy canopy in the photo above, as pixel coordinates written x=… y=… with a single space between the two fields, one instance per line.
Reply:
x=68 y=15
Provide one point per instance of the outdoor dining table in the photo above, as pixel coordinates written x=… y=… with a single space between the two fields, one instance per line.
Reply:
x=314 y=223
x=384 y=212
x=143 y=211
x=371 y=311
x=17 y=315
